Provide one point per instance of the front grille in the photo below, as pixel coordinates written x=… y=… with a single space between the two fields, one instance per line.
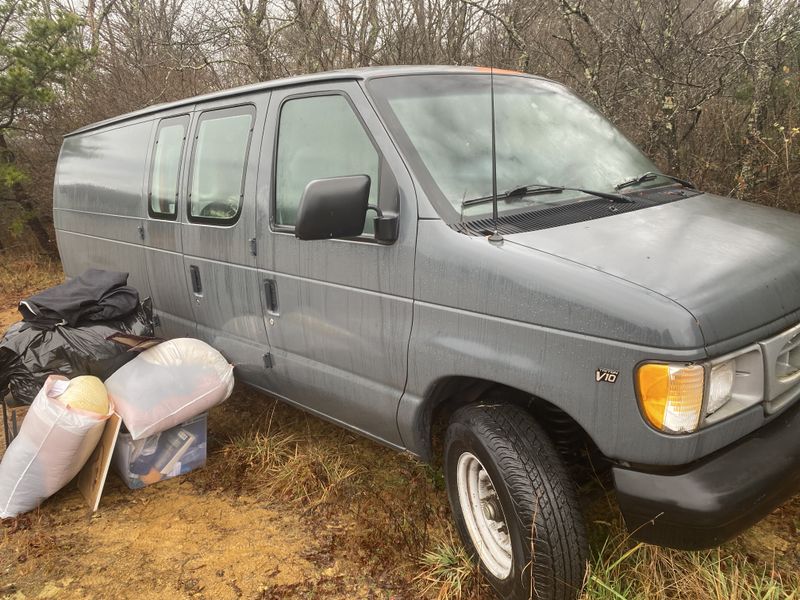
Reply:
x=788 y=365
x=782 y=369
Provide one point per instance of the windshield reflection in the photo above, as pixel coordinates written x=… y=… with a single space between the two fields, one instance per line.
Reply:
x=545 y=134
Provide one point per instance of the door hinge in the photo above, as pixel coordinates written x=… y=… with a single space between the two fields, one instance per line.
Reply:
x=253 y=247
x=268 y=361
x=141 y=232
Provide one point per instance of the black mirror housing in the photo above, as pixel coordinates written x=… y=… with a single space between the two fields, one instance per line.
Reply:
x=386 y=226
x=333 y=208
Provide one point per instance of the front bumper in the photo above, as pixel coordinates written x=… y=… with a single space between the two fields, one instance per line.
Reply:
x=710 y=501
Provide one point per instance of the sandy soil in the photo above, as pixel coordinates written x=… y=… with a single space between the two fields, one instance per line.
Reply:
x=166 y=538
x=8 y=315
x=185 y=537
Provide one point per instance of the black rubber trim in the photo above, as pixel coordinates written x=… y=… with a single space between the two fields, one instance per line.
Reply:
x=714 y=499
x=569 y=212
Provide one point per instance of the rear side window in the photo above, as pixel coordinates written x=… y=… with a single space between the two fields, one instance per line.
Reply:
x=319 y=137
x=163 y=193
x=221 y=146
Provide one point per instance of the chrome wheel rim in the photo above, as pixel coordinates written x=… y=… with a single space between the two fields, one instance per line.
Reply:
x=483 y=515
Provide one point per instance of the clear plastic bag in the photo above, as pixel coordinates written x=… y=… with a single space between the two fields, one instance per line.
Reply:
x=53 y=444
x=169 y=384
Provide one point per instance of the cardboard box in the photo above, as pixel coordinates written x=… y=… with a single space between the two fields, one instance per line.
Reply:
x=92 y=478
x=170 y=453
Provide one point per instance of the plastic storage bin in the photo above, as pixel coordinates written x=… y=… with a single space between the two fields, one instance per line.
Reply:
x=164 y=455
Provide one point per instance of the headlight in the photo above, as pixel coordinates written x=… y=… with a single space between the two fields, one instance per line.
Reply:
x=671 y=395
x=720 y=388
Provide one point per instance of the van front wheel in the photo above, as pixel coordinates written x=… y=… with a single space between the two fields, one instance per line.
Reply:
x=514 y=504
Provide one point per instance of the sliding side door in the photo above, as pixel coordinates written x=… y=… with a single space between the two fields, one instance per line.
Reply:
x=162 y=235
x=219 y=231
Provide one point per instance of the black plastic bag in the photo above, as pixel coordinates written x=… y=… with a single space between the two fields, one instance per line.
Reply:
x=29 y=355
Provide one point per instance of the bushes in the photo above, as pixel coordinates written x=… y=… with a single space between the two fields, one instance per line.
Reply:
x=708 y=88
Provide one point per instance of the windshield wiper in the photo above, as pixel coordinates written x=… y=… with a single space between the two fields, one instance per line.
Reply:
x=523 y=191
x=650 y=176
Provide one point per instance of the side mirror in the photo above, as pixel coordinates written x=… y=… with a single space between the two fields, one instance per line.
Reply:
x=333 y=208
x=337 y=208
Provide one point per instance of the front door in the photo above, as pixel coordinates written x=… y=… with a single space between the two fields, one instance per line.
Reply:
x=338 y=312
x=218 y=231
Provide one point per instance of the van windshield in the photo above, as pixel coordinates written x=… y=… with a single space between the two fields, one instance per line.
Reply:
x=545 y=135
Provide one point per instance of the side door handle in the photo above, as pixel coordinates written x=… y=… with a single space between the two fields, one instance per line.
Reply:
x=197 y=285
x=271 y=294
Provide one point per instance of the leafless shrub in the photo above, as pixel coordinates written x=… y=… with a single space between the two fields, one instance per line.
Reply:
x=708 y=88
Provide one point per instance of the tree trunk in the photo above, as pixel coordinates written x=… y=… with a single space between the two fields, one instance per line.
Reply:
x=761 y=74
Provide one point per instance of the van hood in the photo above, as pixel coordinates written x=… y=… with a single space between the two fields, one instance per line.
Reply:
x=735 y=266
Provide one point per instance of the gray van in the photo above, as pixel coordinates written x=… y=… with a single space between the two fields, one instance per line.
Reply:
x=333 y=235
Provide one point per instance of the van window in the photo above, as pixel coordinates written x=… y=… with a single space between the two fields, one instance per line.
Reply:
x=163 y=193
x=218 y=166
x=318 y=137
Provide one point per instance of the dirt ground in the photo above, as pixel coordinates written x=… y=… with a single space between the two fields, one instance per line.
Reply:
x=213 y=533
x=291 y=507
x=180 y=538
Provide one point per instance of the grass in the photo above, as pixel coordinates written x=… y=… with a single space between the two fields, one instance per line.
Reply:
x=448 y=573
x=385 y=509
x=22 y=274
x=647 y=572
x=391 y=510
x=289 y=469
x=388 y=514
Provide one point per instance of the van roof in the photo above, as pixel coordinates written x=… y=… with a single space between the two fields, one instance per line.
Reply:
x=362 y=73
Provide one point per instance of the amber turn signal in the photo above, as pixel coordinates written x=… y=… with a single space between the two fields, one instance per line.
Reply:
x=671 y=395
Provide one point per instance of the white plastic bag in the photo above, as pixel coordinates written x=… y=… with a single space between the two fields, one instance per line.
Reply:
x=169 y=384
x=53 y=443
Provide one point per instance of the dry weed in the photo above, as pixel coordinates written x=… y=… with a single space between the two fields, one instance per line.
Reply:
x=623 y=570
x=22 y=274
x=448 y=573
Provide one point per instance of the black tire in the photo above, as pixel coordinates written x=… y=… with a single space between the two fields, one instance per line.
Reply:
x=535 y=493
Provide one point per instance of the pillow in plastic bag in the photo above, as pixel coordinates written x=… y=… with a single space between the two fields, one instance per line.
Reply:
x=54 y=442
x=169 y=384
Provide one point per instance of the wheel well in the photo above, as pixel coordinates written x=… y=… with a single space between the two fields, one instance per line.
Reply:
x=573 y=442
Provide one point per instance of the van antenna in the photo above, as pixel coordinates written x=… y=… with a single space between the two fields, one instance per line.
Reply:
x=495 y=238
